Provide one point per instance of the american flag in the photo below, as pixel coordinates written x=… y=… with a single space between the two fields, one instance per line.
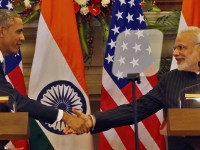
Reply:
x=116 y=90
x=14 y=74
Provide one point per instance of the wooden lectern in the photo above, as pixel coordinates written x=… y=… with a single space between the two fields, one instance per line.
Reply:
x=14 y=126
x=182 y=122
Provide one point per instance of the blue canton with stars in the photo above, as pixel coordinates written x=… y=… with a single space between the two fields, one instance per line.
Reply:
x=12 y=61
x=126 y=15
x=6 y=4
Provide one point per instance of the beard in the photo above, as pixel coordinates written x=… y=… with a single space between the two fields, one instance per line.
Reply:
x=190 y=63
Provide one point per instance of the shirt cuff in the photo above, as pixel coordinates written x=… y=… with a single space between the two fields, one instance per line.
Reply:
x=60 y=115
x=93 y=119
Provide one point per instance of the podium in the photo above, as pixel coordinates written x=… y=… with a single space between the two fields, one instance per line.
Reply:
x=185 y=123
x=182 y=122
x=14 y=126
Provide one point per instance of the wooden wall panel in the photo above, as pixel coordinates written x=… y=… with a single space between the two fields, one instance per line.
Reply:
x=168 y=5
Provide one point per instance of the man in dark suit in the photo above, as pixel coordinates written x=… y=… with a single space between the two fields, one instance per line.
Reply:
x=166 y=94
x=11 y=37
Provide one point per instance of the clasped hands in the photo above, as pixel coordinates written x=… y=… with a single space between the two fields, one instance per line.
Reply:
x=79 y=124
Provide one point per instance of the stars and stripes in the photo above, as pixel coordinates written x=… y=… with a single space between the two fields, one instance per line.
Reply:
x=14 y=72
x=116 y=90
x=126 y=17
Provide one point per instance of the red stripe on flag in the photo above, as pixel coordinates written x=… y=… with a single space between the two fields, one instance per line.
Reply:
x=153 y=80
x=152 y=124
x=107 y=101
x=127 y=136
x=21 y=144
x=17 y=79
x=105 y=145
x=126 y=91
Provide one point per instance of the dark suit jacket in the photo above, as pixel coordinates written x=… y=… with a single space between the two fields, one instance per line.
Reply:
x=24 y=104
x=164 y=95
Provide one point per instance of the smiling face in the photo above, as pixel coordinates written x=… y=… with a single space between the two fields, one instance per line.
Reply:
x=187 y=51
x=11 y=37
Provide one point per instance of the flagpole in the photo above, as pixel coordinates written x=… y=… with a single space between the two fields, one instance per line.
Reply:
x=135 y=77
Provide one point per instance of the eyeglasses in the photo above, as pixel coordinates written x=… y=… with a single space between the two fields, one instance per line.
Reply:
x=182 y=47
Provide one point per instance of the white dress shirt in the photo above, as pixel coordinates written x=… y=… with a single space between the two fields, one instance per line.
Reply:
x=1 y=57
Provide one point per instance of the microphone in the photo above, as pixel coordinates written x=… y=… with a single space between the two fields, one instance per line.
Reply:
x=191 y=88
x=11 y=99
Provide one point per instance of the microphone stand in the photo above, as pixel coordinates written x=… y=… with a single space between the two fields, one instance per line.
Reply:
x=135 y=77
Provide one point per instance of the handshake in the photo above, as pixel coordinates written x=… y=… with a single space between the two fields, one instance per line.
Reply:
x=79 y=124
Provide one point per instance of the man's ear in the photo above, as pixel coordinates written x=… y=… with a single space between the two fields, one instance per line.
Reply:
x=1 y=31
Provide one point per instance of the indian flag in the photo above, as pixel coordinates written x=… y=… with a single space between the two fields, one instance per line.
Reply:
x=57 y=76
x=190 y=16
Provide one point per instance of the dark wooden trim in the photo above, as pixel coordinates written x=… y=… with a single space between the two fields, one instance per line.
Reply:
x=167 y=5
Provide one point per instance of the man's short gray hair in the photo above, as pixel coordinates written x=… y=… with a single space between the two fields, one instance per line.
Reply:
x=7 y=17
x=193 y=29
